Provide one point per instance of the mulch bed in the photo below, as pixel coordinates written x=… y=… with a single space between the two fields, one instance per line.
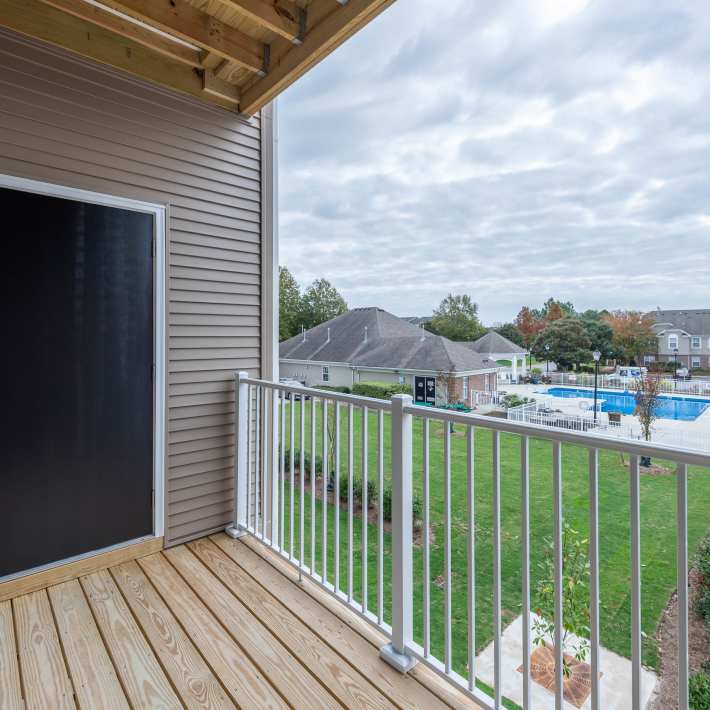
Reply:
x=698 y=646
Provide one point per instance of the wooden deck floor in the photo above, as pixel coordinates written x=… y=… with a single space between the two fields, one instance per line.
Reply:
x=216 y=623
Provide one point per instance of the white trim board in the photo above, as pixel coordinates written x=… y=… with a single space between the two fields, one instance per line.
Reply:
x=160 y=332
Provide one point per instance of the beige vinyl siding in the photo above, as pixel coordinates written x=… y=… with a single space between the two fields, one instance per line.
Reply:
x=67 y=121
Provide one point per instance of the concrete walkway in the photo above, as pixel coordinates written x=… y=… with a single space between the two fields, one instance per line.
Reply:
x=615 y=683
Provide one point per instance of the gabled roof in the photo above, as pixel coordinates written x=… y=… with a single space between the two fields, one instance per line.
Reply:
x=389 y=342
x=694 y=322
x=493 y=342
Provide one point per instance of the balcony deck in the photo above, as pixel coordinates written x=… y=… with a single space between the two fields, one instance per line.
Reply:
x=217 y=623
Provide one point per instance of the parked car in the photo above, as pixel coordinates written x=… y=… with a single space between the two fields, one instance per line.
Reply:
x=292 y=383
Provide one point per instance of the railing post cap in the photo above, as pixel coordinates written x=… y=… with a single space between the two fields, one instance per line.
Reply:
x=404 y=398
x=242 y=375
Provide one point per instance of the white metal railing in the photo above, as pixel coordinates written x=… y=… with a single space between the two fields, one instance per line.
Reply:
x=277 y=429
x=669 y=385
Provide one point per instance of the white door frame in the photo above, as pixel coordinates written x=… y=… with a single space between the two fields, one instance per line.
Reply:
x=160 y=336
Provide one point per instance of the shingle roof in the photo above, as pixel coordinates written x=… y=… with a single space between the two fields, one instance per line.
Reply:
x=695 y=322
x=391 y=343
x=493 y=342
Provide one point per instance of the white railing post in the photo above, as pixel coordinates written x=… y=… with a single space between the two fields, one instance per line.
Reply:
x=241 y=461
x=396 y=653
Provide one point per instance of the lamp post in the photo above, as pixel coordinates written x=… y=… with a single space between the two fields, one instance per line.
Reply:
x=675 y=363
x=597 y=356
x=547 y=359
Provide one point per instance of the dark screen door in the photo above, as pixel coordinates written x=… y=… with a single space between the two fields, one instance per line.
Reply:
x=77 y=378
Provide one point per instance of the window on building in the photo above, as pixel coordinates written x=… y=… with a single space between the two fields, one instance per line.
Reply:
x=672 y=342
x=695 y=362
x=696 y=342
x=465 y=388
x=326 y=374
x=649 y=359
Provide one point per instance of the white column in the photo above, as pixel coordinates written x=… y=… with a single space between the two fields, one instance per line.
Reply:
x=241 y=463
x=396 y=653
x=515 y=367
x=525 y=365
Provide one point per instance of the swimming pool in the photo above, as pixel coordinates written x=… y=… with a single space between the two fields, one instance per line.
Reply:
x=672 y=406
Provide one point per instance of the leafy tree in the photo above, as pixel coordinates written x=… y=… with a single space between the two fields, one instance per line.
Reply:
x=319 y=303
x=456 y=318
x=633 y=334
x=568 y=340
x=601 y=336
x=528 y=325
x=553 y=309
x=575 y=600
x=648 y=402
x=289 y=304
x=510 y=331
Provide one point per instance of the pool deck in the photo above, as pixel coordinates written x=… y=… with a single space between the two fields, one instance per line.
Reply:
x=666 y=431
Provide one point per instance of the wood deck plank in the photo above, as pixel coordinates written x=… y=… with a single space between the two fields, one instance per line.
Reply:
x=46 y=681
x=244 y=681
x=191 y=676
x=349 y=635
x=143 y=679
x=10 y=688
x=95 y=681
x=346 y=683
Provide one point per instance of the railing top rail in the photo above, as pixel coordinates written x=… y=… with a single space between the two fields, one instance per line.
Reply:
x=357 y=400
x=593 y=441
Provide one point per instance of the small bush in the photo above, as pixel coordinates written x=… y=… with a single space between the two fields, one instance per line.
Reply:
x=702 y=562
x=513 y=400
x=699 y=690
x=357 y=489
x=417 y=506
x=342 y=390
x=380 y=390
x=306 y=462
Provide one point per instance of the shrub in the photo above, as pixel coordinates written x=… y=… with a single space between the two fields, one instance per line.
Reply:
x=327 y=388
x=702 y=564
x=513 y=400
x=306 y=461
x=380 y=390
x=699 y=690
x=357 y=488
x=417 y=506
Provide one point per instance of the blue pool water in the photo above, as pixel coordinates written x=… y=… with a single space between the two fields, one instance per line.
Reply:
x=672 y=407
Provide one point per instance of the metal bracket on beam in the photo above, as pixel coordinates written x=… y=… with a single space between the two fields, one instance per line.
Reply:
x=302 y=22
x=267 y=60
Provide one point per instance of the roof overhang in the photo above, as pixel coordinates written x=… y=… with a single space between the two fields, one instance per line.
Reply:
x=238 y=54
x=405 y=370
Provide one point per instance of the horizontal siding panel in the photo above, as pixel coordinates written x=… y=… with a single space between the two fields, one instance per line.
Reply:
x=200 y=422
x=68 y=121
x=209 y=432
x=201 y=479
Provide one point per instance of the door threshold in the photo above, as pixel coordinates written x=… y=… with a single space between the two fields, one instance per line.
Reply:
x=48 y=575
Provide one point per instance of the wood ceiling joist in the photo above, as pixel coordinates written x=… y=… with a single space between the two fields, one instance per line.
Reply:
x=44 y=22
x=127 y=28
x=329 y=30
x=280 y=16
x=179 y=18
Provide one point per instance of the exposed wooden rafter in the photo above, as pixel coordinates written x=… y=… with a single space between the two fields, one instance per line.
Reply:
x=179 y=18
x=280 y=16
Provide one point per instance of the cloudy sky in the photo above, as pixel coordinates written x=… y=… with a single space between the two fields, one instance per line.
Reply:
x=511 y=150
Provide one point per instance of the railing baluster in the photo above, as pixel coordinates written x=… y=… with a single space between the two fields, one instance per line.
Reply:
x=324 y=569
x=525 y=572
x=336 y=497
x=257 y=461
x=282 y=468
x=682 y=564
x=264 y=457
x=447 y=547
x=274 y=447
x=426 y=550
x=380 y=515
x=594 y=572
x=364 y=508
x=292 y=439
x=350 y=502
x=302 y=483
x=313 y=486
x=471 y=555
x=635 y=513
x=497 y=601
x=250 y=522
x=559 y=590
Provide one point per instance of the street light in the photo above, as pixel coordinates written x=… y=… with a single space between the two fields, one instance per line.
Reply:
x=597 y=356
x=547 y=359
x=675 y=361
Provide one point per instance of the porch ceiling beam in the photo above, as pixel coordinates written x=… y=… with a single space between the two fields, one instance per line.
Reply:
x=44 y=22
x=279 y=16
x=179 y=18
x=109 y=20
x=329 y=25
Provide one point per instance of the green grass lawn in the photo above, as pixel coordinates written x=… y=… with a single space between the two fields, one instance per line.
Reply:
x=658 y=538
